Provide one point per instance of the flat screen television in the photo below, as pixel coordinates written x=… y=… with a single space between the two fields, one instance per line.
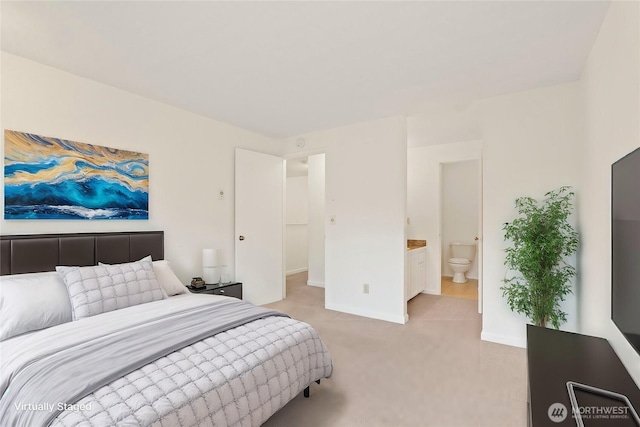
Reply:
x=625 y=246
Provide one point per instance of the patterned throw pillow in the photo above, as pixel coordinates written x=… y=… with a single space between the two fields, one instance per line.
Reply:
x=103 y=288
x=168 y=280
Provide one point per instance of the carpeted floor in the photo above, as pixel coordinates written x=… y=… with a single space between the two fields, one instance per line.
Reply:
x=433 y=371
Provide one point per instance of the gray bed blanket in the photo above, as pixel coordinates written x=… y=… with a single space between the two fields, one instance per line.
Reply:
x=53 y=380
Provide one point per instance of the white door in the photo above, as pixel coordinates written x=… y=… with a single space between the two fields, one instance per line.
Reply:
x=259 y=226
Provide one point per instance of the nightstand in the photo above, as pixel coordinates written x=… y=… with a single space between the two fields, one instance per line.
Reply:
x=233 y=289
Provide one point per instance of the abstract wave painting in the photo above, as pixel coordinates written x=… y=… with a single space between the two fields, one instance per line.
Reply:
x=51 y=178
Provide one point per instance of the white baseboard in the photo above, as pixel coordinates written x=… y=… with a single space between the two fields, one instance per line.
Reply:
x=296 y=270
x=502 y=339
x=366 y=313
x=316 y=284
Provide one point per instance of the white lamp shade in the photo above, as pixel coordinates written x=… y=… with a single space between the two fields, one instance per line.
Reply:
x=209 y=258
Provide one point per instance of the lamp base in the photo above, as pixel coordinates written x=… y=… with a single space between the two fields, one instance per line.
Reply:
x=209 y=275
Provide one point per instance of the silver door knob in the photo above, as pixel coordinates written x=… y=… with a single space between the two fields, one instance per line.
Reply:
x=241 y=238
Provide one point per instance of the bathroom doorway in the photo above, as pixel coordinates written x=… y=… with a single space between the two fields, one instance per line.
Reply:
x=460 y=229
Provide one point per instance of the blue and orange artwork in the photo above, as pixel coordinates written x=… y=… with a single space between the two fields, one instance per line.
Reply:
x=52 y=178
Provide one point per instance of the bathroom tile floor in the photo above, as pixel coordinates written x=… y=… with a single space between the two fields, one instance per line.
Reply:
x=467 y=290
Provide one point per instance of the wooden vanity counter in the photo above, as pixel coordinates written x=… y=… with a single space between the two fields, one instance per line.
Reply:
x=415 y=244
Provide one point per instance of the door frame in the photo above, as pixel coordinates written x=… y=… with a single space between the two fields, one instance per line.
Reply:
x=286 y=157
x=463 y=157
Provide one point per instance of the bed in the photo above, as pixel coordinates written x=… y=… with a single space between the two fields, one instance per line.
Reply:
x=96 y=330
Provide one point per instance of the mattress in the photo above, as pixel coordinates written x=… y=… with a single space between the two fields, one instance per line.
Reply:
x=238 y=377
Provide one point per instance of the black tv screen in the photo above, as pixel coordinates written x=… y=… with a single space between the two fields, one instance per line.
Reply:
x=625 y=247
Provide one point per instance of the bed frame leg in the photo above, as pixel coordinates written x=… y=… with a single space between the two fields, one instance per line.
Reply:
x=306 y=390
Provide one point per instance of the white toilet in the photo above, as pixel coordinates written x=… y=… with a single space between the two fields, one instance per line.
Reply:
x=462 y=254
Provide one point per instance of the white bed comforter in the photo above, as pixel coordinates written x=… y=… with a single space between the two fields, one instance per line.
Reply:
x=236 y=378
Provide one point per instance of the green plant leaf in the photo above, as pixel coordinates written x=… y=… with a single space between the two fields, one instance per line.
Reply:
x=541 y=238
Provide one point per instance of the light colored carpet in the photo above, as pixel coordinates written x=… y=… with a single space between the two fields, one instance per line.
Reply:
x=433 y=371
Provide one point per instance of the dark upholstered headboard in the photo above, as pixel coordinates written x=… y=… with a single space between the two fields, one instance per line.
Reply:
x=34 y=253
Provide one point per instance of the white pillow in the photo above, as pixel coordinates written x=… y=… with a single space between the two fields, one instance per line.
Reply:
x=103 y=288
x=29 y=302
x=168 y=279
x=165 y=276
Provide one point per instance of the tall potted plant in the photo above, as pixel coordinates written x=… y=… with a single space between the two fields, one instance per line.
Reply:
x=542 y=238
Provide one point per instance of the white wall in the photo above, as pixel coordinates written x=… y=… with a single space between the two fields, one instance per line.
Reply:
x=423 y=196
x=533 y=143
x=611 y=88
x=366 y=193
x=460 y=199
x=190 y=156
x=297 y=206
x=296 y=220
x=449 y=123
x=366 y=179
x=316 y=229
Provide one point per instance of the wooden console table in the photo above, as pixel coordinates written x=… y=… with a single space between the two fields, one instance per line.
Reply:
x=555 y=357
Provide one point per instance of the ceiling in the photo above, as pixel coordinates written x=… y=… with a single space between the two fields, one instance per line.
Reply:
x=287 y=68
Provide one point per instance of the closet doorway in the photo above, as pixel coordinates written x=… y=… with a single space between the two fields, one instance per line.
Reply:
x=304 y=222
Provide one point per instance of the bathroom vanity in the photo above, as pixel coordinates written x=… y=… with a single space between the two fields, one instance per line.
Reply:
x=415 y=268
